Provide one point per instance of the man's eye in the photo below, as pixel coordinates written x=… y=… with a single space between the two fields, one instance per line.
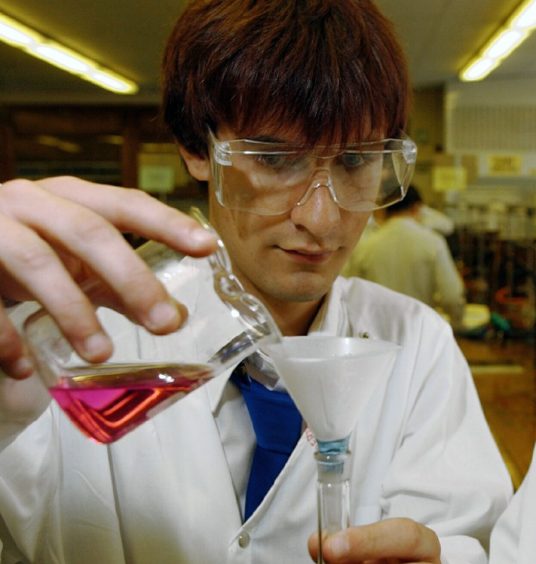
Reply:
x=279 y=162
x=352 y=160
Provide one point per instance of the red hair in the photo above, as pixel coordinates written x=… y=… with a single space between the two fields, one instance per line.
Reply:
x=332 y=69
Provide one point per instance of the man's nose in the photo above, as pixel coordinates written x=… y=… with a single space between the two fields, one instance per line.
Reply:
x=317 y=209
x=320 y=179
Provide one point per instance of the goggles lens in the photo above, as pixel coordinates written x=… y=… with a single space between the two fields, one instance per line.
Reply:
x=272 y=178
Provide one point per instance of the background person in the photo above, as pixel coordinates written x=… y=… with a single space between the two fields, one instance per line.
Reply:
x=436 y=220
x=410 y=258
x=301 y=79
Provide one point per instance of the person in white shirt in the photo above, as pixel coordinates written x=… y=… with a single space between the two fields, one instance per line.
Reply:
x=408 y=257
x=277 y=106
x=513 y=539
x=436 y=220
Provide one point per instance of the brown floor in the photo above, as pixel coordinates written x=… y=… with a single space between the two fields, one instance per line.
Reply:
x=505 y=376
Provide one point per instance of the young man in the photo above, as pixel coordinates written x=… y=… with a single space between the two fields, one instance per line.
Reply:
x=293 y=111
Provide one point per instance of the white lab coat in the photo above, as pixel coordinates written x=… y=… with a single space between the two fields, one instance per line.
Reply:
x=513 y=540
x=164 y=493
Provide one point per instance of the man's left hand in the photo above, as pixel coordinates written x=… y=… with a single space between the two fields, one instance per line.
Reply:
x=393 y=541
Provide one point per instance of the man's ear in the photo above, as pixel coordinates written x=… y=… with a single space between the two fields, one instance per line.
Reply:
x=198 y=167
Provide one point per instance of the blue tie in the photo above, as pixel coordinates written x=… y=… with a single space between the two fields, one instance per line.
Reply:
x=277 y=424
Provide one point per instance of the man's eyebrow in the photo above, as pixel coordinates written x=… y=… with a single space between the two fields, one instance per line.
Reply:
x=271 y=139
x=369 y=139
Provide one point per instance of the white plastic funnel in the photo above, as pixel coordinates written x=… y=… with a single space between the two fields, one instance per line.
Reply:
x=331 y=379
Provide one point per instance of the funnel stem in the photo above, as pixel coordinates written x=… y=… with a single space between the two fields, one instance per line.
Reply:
x=333 y=490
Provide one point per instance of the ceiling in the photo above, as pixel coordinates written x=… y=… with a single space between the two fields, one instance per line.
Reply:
x=128 y=36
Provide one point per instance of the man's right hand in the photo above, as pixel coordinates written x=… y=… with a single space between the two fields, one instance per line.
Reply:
x=59 y=234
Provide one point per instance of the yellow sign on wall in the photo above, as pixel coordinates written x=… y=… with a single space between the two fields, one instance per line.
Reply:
x=504 y=165
x=445 y=178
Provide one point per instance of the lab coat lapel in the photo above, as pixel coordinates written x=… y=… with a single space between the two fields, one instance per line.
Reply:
x=332 y=318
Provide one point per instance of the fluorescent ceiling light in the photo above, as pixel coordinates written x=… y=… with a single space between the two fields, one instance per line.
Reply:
x=110 y=80
x=525 y=17
x=479 y=69
x=18 y=35
x=62 y=58
x=505 y=40
x=504 y=43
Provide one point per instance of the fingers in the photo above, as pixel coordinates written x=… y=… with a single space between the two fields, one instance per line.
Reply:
x=396 y=540
x=33 y=264
x=135 y=211
x=14 y=358
x=53 y=227
x=99 y=245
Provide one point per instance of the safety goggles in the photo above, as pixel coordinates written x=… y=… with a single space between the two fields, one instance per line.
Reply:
x=268 y=178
